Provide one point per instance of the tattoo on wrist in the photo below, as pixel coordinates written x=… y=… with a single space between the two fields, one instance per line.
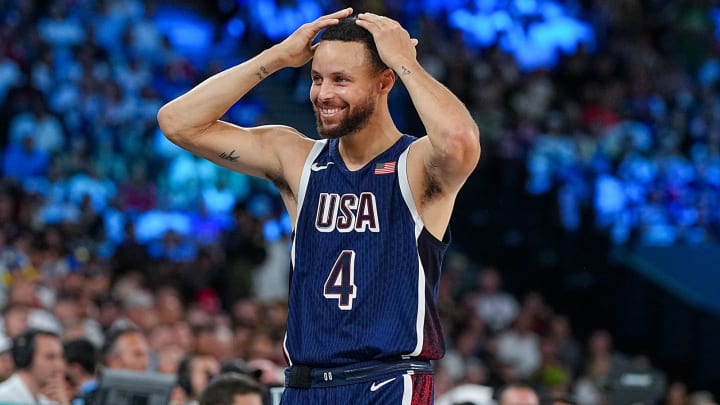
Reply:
x=230 y=157
x=262 y=73
x=404 y=71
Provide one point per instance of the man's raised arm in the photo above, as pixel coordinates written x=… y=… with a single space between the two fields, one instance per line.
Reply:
x=192 y=120
x=452 y=147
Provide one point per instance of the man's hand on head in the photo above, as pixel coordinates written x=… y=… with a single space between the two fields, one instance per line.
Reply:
x=297 y=49
x=394 y=44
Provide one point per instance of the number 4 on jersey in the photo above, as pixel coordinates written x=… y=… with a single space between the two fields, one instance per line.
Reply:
x=340 y=284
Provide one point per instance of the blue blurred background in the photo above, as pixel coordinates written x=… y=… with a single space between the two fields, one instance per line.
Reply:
x=598 y=192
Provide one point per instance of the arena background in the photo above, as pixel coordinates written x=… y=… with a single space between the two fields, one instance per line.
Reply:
x=598 y=187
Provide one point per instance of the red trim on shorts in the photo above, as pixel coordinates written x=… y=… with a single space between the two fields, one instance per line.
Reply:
x=422 y=389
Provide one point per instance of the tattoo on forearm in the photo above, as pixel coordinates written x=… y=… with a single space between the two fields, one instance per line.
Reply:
x=231 y=157
x=405 y=71
x=262 y=73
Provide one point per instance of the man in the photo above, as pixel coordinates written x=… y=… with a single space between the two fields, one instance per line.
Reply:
x=126 y=348
x=517 y=394
x=81 y=358
x=194 y=373
x=370 y=206
x=233 y=389
x=40 y=375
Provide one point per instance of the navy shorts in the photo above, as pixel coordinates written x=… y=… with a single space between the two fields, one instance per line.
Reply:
x=400 y=389
x=405 y=382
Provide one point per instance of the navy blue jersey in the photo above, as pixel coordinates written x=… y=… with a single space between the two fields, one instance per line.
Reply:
x=365 y=270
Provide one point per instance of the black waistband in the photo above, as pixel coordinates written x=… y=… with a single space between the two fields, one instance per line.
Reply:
x=299 y=376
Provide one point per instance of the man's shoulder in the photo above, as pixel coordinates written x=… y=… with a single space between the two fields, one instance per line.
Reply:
x=11 y=382
x=14 y=389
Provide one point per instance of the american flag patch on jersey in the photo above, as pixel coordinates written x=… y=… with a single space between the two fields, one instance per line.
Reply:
x=385 y=168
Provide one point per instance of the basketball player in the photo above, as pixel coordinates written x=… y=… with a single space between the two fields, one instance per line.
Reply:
x=370 y=205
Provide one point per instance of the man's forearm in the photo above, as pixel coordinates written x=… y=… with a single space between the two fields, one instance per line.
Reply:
x=444 y=116
x=209 y=100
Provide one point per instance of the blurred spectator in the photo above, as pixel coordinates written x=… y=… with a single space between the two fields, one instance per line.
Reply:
x=552 y=378
x=464 y=354
x=10 y=75
x=39 y=123
x=59 y=29
x=233 y=389
x=137 y=193
x=497 y=307
x=533 y=305
x=600 y=360
x=40 y=375
x=701 y=398
x=520 y=346
x=126 y=348
x=15 y=319
x=195 y=373
x=517 y=394
x=467 y=394
x=23 y=161
x=130 y=255
x=677 y=394
x=567 y=349
x=81 y=358
x=245 y=249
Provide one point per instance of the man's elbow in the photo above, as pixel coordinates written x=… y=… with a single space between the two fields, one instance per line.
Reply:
x=464 y=145
x=167 y=118
x=165 y=121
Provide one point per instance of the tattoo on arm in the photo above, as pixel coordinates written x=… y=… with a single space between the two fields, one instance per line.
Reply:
x=405 y=71
x=231 y=157
x=262 y=73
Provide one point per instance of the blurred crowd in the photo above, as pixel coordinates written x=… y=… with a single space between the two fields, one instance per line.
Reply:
x=107 y=227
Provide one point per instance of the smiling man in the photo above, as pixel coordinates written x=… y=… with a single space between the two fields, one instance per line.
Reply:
x=370 y=205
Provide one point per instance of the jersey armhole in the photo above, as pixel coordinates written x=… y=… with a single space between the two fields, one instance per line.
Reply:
x=404 y=184
x=305 y=176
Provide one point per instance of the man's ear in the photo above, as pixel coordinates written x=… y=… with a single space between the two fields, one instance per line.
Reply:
x=387 y=80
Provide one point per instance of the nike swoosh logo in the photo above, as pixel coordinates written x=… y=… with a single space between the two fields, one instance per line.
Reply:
x=374 y=387
x=317 y=168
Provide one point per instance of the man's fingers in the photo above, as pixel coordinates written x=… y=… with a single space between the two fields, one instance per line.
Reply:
x=330 y=19
x=376 y=19
x=338 y=14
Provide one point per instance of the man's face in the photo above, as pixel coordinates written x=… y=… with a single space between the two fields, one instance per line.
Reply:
x=48 y=361
x=131 y=353
x=519 y=396
x=247 y=399
x=202 y=369
x=342 y=91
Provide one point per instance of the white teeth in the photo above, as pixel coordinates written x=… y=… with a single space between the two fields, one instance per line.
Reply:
x=329 y=111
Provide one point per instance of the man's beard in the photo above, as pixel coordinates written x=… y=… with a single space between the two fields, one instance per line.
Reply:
x=356 y=120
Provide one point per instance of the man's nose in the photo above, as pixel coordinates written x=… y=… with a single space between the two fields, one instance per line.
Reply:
x=326 y=91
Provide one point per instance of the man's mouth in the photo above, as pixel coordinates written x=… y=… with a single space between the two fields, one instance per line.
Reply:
x=329 y=112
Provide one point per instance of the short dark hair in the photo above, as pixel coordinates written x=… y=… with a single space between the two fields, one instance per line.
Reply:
x=111 y=338
x=223 y=388
x=81 y=351
x=348 y=31
x=24 y=345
